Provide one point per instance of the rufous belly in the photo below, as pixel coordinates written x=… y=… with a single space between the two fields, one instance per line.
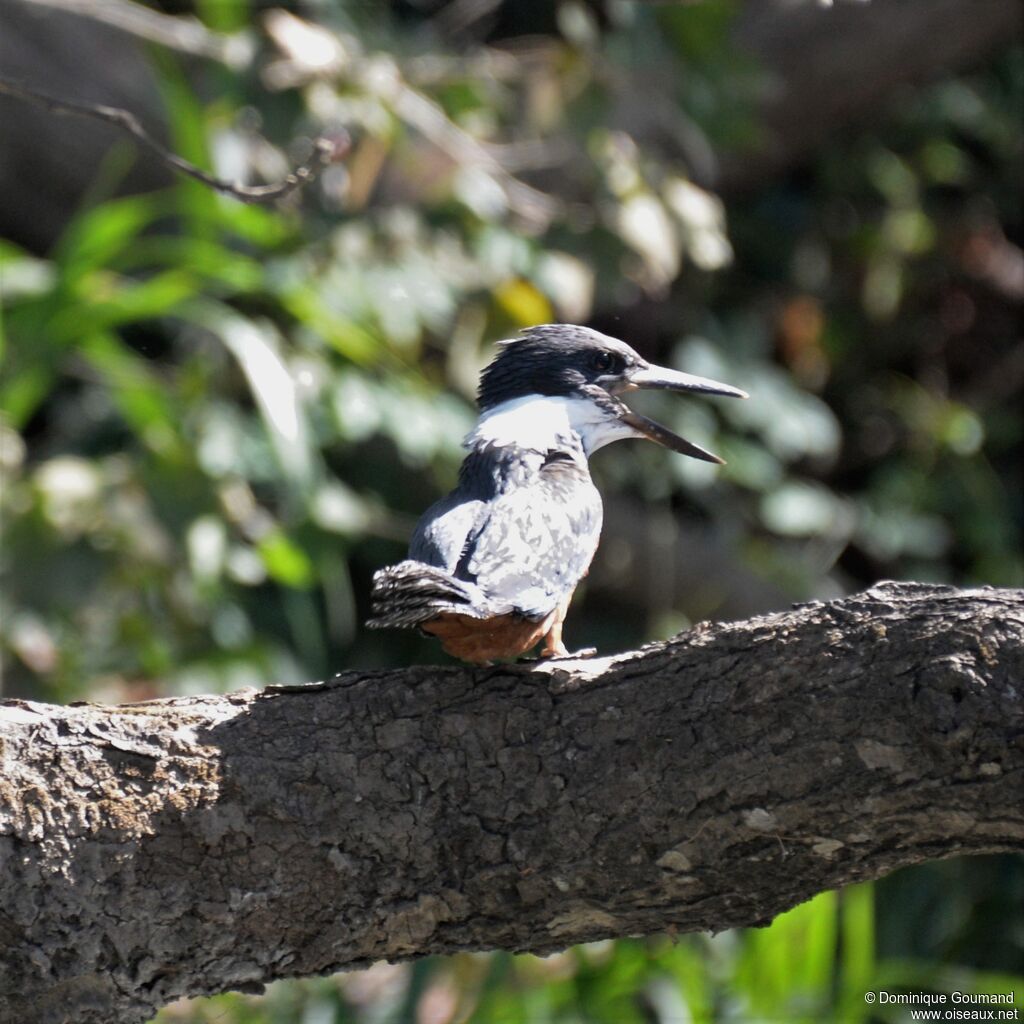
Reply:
x=483 y=640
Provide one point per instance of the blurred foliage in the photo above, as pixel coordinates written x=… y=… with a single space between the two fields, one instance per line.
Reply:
x=218 y=420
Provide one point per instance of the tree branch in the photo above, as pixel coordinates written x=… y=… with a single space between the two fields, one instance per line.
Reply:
x=326 y=149
x=193 y=845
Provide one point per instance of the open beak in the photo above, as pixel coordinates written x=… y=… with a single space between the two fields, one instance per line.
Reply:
x=662 y=378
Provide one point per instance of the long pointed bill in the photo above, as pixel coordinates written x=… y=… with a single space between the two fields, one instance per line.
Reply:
x=674 y=380
x=662 y=435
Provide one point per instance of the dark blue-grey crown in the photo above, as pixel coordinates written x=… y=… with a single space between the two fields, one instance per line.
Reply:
x=552 y=359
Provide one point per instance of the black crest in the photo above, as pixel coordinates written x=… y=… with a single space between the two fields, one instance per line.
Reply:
x=553 y=359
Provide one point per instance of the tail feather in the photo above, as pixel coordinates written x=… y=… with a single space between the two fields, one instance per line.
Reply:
x=411 y=593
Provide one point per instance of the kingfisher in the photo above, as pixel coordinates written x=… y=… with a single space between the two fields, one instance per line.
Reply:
x=493 y=566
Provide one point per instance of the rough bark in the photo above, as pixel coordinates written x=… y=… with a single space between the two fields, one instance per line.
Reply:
x=194 y=845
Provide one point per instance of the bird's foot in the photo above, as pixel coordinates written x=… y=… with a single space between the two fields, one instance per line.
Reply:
x=562 y=655
x=583 y=652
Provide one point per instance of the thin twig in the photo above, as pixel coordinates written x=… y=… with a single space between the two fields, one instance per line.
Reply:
x=327 y=149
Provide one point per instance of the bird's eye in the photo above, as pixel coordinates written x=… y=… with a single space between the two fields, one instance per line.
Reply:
x=603 y=362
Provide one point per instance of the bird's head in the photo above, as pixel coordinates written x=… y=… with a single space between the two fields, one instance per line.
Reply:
x=589 y=370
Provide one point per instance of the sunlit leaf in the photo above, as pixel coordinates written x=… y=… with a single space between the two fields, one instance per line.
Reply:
x=702 y=220
x=256 y=347
x=22 y=275
x=206 y=542
x=523 y=303
x=801 y=509
x=71 y=490
x=570 y=283
x=646 y=228
x=286 y=562
x=339 y=509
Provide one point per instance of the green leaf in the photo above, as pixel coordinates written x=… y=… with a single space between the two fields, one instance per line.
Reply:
x=211 y=261
x=111 y=300
x=254 y=224
x=858 y=943
x=198 y=202
x=95 y=237
x=286 y=562
x=21 y=392
x=342 y=334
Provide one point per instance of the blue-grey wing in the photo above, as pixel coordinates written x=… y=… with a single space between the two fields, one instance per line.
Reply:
x=442 y=533
x=440 y=536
